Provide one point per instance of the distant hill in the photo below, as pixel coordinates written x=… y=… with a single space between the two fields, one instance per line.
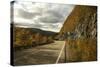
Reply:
x=32 y=37
x=43 y=32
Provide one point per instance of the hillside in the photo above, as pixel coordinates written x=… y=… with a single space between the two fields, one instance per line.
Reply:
x=81 y=21
x=80 y=33
x=24 y=37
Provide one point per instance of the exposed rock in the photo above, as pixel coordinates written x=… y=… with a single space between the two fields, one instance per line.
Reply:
x=80 y=32
x=82 y=22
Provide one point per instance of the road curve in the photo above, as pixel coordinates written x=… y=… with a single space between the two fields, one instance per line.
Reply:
x=44 y=54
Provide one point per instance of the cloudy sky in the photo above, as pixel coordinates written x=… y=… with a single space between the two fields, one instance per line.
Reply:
x=44 y=16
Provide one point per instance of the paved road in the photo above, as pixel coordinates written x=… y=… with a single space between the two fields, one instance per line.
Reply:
x=45 y=54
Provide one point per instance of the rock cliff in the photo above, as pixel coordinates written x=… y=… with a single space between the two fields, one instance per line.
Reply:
x=80 y=33
x=82 y=21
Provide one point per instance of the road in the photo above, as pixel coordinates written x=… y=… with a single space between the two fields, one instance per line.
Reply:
x=44 y=54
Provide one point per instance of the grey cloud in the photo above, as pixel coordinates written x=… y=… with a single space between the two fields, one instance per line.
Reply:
x=47 y=13
x=50 y=19
x=54 y=13
x=27 y=15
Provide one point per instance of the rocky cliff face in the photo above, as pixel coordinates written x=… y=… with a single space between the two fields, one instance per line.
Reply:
x=82 y=21
x=80 y=33
x=87 y=24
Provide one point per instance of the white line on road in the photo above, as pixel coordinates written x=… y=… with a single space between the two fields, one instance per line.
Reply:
x=60 y=54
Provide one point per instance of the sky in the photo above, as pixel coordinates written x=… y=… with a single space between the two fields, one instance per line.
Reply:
x=45 y=16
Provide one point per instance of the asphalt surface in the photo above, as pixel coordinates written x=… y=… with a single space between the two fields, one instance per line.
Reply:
x=44 y=54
